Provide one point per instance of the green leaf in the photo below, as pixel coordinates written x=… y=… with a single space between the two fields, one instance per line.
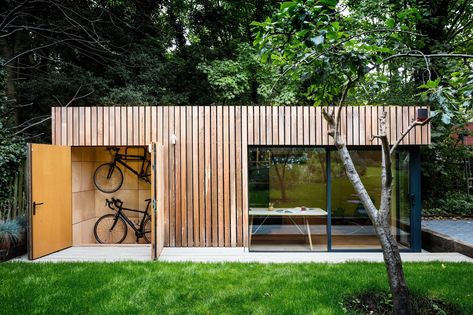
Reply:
x=287 y=5
x=430 y=84
x=390 y=23
x=330 y=3
x=255 y=23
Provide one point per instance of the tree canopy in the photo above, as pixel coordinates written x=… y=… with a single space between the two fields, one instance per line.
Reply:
x=143 y=52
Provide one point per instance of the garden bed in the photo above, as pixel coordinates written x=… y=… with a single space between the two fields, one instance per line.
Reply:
x=380 y=303
x=12 y=252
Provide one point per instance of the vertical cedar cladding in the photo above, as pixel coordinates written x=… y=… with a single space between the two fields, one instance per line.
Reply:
x=205 y=177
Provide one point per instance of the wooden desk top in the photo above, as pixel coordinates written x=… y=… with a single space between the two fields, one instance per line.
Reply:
x=277 y=212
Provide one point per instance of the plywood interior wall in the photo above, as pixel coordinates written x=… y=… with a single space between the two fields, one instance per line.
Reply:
x=88 y=203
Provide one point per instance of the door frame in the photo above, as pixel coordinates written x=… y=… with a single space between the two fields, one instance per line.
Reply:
x=157 y=197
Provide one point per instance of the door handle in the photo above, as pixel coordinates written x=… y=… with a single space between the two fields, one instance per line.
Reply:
x=36 y=204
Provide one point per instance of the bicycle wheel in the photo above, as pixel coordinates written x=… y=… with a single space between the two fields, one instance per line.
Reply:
x=108 y=178
x=106 y=231
x=147 y=230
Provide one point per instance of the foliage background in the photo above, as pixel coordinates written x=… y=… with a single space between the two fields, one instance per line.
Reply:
x=146 y=52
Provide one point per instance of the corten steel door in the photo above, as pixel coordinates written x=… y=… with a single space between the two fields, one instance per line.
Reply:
x=50 y=199
x=157 y=193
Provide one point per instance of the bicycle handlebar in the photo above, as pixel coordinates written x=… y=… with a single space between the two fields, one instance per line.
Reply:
x=113 y=203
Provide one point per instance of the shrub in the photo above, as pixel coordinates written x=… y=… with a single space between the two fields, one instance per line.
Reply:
x=11 y=233
x=453 y=203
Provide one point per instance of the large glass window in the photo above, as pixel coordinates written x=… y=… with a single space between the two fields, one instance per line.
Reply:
x=401 y=201
x=351 y=226
x=287 y=199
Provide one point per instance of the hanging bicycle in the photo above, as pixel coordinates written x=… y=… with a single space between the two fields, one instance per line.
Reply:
x=108 y=177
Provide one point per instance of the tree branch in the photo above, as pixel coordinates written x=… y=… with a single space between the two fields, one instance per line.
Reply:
x=413 y=124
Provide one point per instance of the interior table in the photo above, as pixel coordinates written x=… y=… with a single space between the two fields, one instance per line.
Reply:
x=286 y=212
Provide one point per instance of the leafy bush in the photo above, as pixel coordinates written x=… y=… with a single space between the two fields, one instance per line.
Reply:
x=453 y=203
x=12 y=153
x=11 y=232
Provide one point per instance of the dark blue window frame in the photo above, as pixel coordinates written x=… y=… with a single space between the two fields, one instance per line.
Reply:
x=414 y=194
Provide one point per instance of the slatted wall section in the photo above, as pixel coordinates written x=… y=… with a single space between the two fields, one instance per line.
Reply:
x=206 y=171
x=267 y=125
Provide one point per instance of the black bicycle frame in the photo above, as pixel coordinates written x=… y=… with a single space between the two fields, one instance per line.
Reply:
x=140 y=228
x=119 y=158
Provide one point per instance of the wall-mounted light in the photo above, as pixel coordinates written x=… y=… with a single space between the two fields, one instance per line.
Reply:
x=422 y=114
x=173 y=139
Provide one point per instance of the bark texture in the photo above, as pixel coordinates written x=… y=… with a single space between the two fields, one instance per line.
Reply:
x=379 y=217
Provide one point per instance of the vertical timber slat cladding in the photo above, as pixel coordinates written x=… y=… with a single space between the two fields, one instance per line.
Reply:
x=189 y=177
x=194 y=158
x=300 y=126
x=53 y=125
x=244 y=173
x=250 y=124
x=206 y=148
x=207 y=170
x=146 y=129
x=306 y=126
x=232 y=166
x=178 y=161
x=63 y=129
x=280 y=125
x=113 y=131
x=262 y=125
x=275 y=126
x=106 y=123
x=214 y=176
x=256 y=123
x=287 y=126
x=226 y=175
x=167 y=148
x=184 y=176
x=238 y=175
x=294 y=131
x=220 y=179
x=200 y=193
x=70 y=125
x=269 y=125
x=318 y=125
x=172 y=179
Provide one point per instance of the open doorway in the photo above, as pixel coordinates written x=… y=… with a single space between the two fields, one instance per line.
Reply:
x=89 y=203
x=65 y=203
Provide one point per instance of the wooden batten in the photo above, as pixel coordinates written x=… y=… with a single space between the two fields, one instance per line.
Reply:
x=205 y=171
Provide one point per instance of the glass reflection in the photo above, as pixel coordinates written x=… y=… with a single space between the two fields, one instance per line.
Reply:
x=287 y=199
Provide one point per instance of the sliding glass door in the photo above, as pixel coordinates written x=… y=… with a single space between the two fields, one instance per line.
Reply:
x=288 y=192
x=287 y=199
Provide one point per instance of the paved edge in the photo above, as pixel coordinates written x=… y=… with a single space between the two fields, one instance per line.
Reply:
x=437 y=242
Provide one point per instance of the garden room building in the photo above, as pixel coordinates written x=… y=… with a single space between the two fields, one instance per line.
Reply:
x=266 y=178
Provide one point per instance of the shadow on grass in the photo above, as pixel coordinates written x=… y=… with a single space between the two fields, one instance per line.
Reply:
x=374 y=302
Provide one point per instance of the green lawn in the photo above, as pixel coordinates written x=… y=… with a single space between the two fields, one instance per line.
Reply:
x=187 y=288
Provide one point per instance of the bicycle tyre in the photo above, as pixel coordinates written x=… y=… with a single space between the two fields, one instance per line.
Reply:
x=104 y=184
x=147 y=232
x=105 y=222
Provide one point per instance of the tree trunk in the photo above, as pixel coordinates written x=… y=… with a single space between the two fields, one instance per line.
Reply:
x=397 y=282
x=379 y=217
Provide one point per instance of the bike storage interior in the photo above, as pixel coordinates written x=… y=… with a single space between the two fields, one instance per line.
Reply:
x=68 y=193
x=89 y=203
